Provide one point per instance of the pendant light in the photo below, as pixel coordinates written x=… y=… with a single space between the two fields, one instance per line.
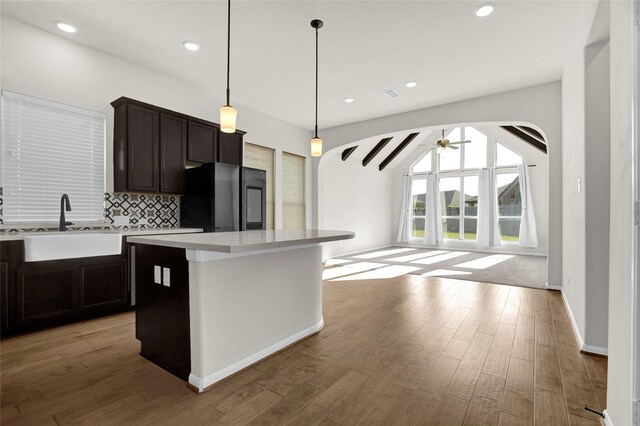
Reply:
x=316 y=142
x=227 y=112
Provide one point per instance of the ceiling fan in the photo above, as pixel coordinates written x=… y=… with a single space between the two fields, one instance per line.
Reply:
x=443 y=144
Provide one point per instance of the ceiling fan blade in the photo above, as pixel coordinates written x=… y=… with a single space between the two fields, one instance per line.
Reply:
x=459 y=142
x=454 y=147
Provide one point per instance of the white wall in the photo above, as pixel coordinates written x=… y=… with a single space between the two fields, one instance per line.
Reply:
x=538 y=105
x=597 y=136
x=620 y=373
x=538 y=174
x=38 y=63
x=586 y=72
x=357 y=199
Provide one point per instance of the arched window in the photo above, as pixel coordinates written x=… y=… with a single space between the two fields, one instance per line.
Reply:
x=458 y=171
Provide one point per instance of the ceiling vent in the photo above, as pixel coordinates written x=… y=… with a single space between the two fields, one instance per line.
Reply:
x=391 y=93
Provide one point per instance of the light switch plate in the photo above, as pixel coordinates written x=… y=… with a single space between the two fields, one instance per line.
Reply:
x=166 y=277
x=157 y=274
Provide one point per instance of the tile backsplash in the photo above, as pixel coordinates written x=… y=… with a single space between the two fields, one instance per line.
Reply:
x=141 y=211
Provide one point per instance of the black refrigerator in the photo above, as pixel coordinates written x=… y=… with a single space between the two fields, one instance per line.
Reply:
x=223 y=197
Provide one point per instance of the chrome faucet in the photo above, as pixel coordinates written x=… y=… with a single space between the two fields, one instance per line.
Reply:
x=64 y=205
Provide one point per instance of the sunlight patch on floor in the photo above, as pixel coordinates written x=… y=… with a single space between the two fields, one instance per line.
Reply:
x=484 y=262
x=412 y=257
x=383 y=253
x=444 y=272
x=379 y=274
x=353 y=268
x=441 y=258
x=331 y=262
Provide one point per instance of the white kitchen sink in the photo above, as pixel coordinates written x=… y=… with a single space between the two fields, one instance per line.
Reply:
x=71 y=245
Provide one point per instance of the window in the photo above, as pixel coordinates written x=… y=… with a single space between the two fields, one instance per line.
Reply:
x=509 y=206
x=423 y=164
x=50 y=149
x=293 y=207
x=470 y=155
x=506 y=157
x=459 y=186
x=261 y=157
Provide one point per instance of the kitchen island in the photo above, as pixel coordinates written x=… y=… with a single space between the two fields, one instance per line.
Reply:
x=211 y=304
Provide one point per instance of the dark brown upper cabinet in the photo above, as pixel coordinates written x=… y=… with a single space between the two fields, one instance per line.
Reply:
x=173 y=146
x=136 y=147
x=152 y=145
x=230 y=147
x=203 y=140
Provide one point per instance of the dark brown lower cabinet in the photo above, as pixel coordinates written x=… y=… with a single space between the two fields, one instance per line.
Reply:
x=102 y=286
x=45 y=294
x=37 y=295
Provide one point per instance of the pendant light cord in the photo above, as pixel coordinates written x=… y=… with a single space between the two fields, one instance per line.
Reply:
x=228 y=46
x=316 y=134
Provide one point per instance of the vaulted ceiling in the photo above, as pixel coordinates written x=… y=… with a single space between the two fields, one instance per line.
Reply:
x=365 y=48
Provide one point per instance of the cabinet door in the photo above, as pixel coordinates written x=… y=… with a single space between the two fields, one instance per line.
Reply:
x=4 y=295
x=142 y=149
x=173 y=141
x=202 y=142
x=230 y=148
x=45 y=293
x=102 y=286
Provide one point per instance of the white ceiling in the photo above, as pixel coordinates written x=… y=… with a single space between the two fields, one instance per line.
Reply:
x=365 y=48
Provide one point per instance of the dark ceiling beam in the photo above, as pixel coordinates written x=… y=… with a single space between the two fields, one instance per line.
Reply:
x=398 y=150
x=347 y=152
x=532 y=132
x=526 y=137
x=375 y=151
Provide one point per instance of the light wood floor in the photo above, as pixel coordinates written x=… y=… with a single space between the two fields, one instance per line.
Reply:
x=409 y=350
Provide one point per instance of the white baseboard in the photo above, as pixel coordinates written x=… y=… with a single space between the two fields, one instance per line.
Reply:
x=607 y=419
x=351 y=253
x=552 y=287
x=576 y=331
x=201 y=383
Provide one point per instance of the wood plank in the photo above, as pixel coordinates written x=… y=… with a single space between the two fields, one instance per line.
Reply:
x=322 y=405
x=548 y=369
x=550 y=408
x=397 y=150
x=449 y=412
x=375 y=151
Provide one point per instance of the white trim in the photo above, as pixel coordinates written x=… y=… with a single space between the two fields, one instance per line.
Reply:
x=576 y=331
x=351 y=253
x=206 y=256
x=548 y=286
x=473 y=248
x=202 y=383
x=607 y=419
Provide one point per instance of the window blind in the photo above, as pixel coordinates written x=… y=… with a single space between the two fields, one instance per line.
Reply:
x=262 y=158
x=293 y=206
x=50 y=149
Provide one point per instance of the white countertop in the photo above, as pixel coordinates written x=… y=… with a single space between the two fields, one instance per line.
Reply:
x=243 y=241
x=131 y=232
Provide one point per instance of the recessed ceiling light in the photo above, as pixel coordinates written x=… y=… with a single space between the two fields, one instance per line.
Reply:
x=349 y=100
x=191 y=45
x=66 y=27
x=485 y=9
x=411 y=84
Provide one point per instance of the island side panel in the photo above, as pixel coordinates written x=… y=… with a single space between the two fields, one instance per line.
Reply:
x=245 y=308
x=162 y=310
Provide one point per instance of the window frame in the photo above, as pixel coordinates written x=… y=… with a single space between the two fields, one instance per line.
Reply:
x=461 y=173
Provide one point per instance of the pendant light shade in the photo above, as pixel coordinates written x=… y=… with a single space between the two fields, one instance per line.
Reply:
x=227 y=112
x=316 y=147
x=228 y=119
x=316 y=142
